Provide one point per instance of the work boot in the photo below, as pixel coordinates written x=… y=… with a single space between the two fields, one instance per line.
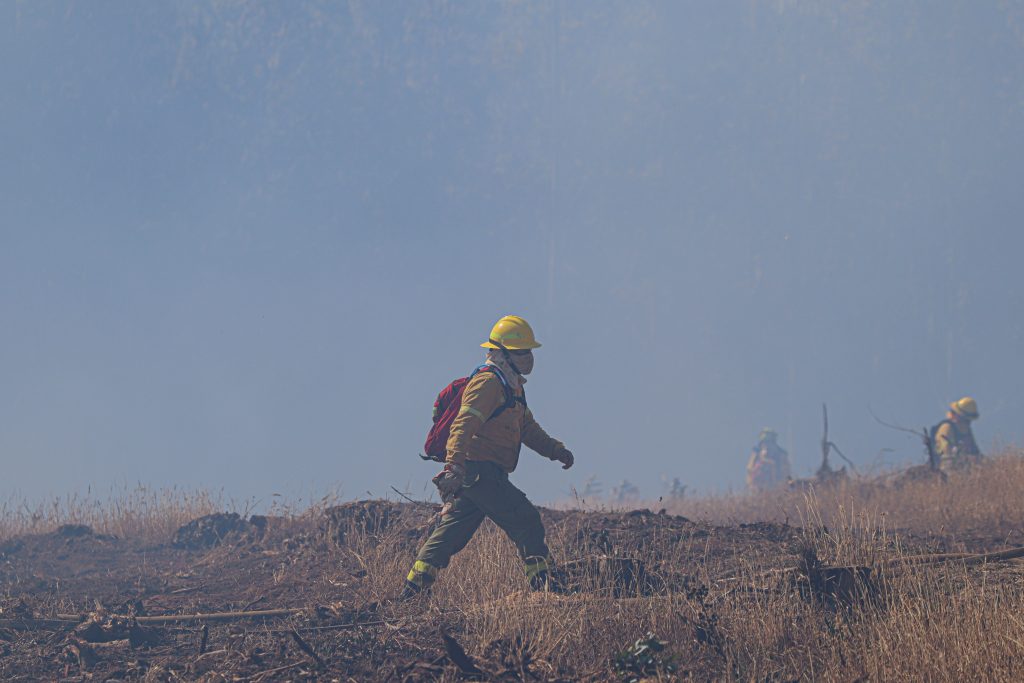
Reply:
x=420 y=579
x=548 y=583
x=409 y=591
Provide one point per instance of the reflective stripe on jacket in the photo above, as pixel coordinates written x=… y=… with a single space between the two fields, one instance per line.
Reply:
x=498 y=439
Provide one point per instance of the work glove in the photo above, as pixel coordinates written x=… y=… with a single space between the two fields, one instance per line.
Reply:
x=449 y=480
x=564 y=456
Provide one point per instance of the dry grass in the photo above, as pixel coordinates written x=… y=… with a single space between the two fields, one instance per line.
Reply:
x=948 y=622
x=940 y=624
x=984 y=499
x=724 y=609
x=141 y=512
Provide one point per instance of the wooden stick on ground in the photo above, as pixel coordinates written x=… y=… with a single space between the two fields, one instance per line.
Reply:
x=898 y=563
x=38 y=624
x=192 y=618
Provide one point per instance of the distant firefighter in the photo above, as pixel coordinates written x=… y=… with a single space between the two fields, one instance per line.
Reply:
x=952 y=439
x=768 y=466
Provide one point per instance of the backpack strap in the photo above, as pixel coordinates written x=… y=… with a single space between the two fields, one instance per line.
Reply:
x=510 y=398
x=956 y=432
x=952 y=426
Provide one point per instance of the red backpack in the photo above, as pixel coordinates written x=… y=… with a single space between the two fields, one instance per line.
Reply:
x=446 y=409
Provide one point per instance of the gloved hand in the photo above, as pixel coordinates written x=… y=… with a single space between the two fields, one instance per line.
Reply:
x=449 y=480
x=564 y=456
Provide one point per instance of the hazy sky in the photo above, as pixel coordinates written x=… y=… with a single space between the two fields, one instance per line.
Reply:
x=243 y=245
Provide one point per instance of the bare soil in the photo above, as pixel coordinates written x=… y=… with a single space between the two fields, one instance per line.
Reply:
x=347 y=626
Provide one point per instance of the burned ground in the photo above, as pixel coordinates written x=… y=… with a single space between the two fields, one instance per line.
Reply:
x=759 y=600
x=225 y=564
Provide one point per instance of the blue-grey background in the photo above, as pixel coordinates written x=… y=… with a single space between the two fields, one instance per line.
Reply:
x=243 y=245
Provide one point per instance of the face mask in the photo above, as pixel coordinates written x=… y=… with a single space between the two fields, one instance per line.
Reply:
x=524 y=364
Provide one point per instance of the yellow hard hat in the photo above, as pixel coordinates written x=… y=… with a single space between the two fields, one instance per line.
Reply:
x=966 y=407
x=511 y=332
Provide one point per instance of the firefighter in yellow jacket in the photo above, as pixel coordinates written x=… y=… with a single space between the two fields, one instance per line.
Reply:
x=768 y=466
x=481 y=452
x=953 y=439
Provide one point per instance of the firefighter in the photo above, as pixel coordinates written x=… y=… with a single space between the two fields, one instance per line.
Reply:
x=768 y=466
x=953 y=439
x=481 y=453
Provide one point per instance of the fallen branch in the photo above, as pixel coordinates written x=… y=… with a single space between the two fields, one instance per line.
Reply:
x=898 y=563
x=307 y=648
x=192 y=618
x=30 y=624
x=980 y=558
x=457 y=655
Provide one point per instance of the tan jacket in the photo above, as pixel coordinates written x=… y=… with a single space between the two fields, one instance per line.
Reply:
x=955 y=445
x=767 y=467
x=475 y=437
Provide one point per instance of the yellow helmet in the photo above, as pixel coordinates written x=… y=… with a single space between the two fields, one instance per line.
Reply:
x=511 y=332
x=966 y=408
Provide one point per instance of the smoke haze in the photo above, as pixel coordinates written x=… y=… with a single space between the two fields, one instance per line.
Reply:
x=243 y=245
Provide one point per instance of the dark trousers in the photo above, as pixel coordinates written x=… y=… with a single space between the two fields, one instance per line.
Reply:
x=487 y=493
